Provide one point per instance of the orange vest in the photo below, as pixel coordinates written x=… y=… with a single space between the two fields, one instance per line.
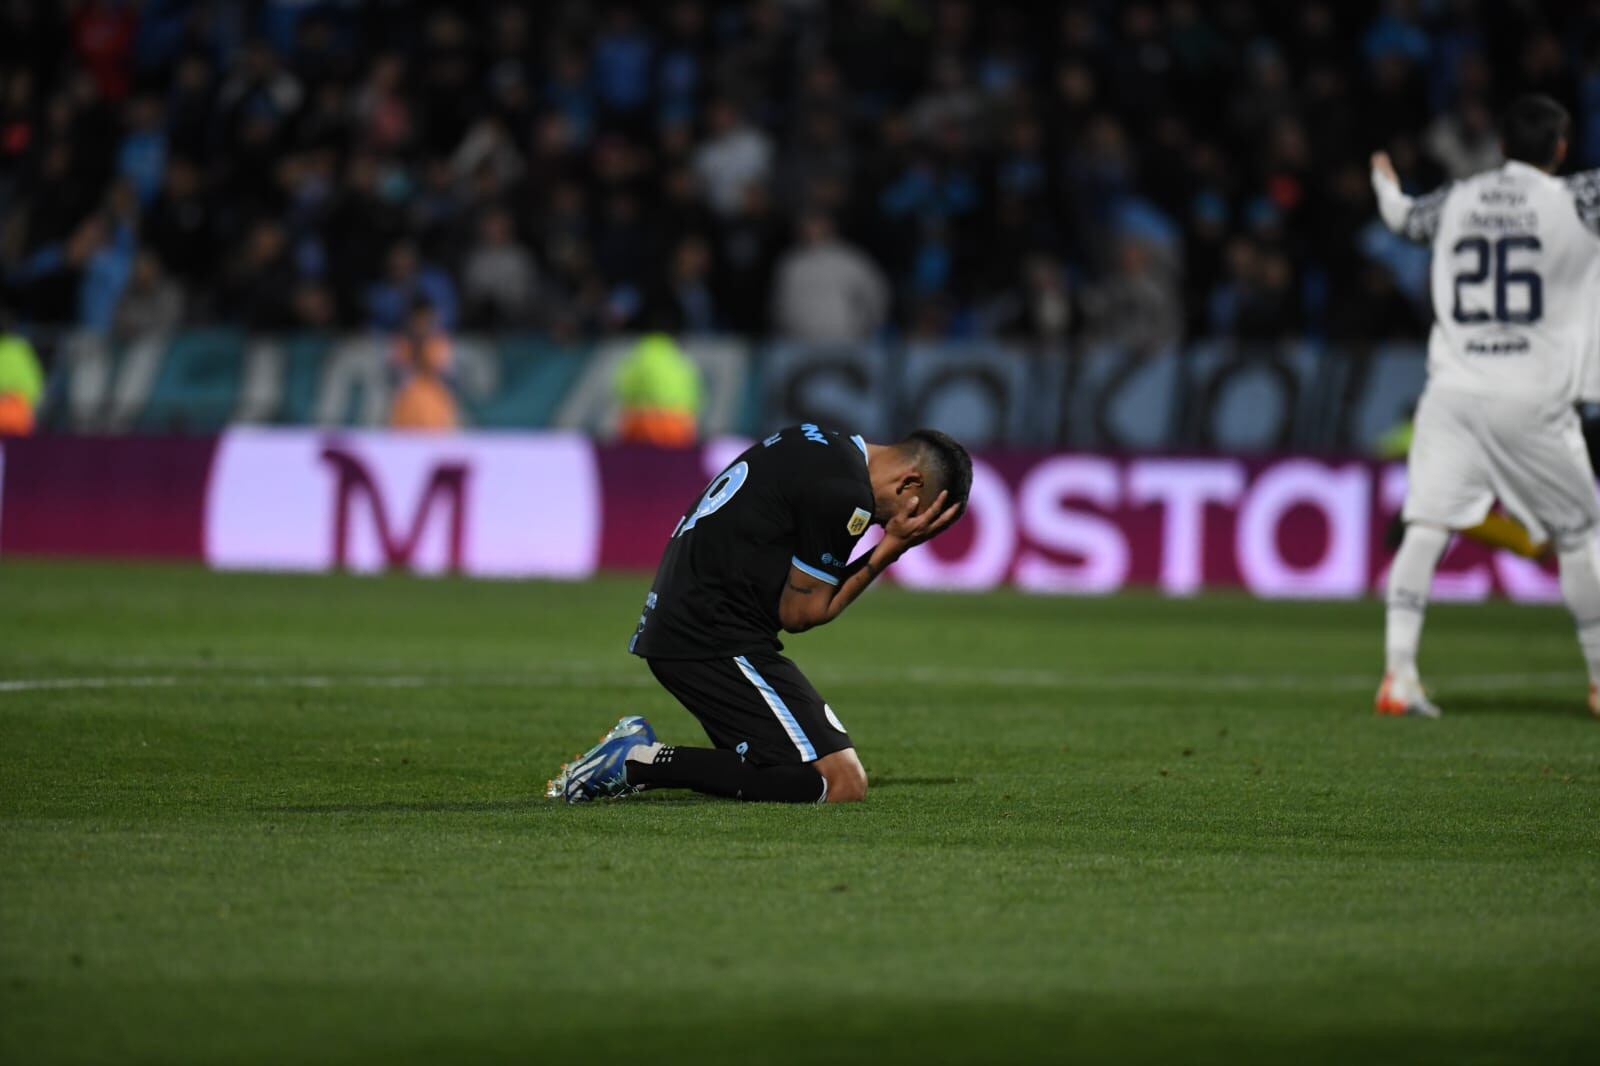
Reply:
x=665 y=429
x=16 y=416
x=423 y=401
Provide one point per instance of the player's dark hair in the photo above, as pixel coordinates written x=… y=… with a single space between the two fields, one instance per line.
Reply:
x=1531 y=128
x=944 y=461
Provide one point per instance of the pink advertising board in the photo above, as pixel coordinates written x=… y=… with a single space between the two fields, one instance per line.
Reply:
x=560 y=506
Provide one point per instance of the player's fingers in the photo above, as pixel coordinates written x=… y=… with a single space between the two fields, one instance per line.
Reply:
x=932 y=520
x=917 y=520
x=949 y=515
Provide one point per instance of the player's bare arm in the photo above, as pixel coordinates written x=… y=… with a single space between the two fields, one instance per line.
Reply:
x=1414 y=218
x=1383 y=166
x=808 y=602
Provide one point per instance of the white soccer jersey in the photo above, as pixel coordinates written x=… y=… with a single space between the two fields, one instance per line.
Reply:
x=1589 y=388
x=1515 y=279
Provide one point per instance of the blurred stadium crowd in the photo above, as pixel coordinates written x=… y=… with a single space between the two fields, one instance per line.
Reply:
x=1135 y=172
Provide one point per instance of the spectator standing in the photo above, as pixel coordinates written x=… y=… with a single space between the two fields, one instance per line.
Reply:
x=446 y=75
x=255 y=107
x=735 y=156
x=1139 y=310
x=151 y=304
x=500 y=283
x=423 y=362
x=363 y=221
x=624 y=55
x=383 y=112
x=684 y=301
x=827 y=291
x=258 y=285
x=818 y=155
x=487 y=145
x=680 y=66
x=21 y=381
x=747 y=252
x=180 y=227
x=658 y=394
x=570 y=95
x=188 y=108
x=110 y=262
x=103 y=33
x=409 y=283
x=142 y=157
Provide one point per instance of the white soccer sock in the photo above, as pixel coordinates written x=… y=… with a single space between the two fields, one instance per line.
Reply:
x=1410 y=578
x=1580 y=587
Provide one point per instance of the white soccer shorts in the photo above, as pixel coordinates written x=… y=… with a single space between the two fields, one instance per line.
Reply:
x=1470 y=450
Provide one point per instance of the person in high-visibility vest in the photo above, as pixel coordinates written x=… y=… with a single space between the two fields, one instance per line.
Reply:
x=21 y=384
x=424 y=362
x=658 y=394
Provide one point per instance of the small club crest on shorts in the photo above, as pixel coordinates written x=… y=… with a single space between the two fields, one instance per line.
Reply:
x=859 y=521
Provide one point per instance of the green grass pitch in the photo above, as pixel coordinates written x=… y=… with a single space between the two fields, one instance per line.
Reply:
x=279 y=819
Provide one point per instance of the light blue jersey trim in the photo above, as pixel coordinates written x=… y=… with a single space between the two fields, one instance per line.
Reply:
x=813 y=571
x=779 y=708
x=859 y=443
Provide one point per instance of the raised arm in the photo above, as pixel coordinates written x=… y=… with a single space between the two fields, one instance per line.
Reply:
x=1414 y=218
x=1585 y=188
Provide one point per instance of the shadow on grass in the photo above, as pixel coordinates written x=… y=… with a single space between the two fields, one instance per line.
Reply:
x=1297 y=1027
x=1508 y=703
x=665 y=796
x=535 y=803
x=431 y=807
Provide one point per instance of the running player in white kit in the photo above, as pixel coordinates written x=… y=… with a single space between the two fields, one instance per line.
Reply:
x=1515 y=277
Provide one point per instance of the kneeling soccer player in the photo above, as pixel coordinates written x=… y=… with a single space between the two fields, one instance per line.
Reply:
x=767 y=547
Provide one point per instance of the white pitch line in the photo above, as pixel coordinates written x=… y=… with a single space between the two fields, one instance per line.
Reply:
x=45 y=684
x=41 y=684
x=1211 y=682
x=1024 y=678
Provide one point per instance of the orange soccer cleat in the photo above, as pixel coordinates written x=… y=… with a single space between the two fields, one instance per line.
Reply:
x=1399 y=696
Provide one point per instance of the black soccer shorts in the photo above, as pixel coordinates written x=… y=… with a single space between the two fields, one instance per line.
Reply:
x=758 y=705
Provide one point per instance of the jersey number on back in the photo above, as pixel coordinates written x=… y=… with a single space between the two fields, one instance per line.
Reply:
x=1498 y=264
x=718 y=493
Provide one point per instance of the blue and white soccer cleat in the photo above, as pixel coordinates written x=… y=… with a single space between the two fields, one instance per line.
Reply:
x=599 y=772
x=634 y=725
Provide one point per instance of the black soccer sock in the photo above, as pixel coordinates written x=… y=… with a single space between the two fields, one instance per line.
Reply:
x=717 y=772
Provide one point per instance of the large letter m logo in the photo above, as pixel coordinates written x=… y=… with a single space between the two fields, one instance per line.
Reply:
x=446 y=485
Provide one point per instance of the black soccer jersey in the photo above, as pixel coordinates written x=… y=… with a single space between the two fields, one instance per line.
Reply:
x=800 y=498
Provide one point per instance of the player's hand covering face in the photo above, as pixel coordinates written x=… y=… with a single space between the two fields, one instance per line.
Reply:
x=911 y=527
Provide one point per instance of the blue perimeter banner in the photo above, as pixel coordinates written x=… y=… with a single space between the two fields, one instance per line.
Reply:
x=1212 y=397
